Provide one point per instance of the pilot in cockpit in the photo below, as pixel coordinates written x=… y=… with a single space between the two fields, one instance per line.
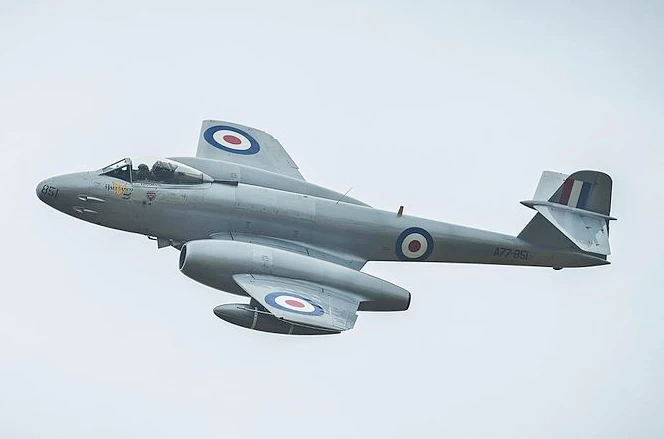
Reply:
x=164 y=172
x=143 y=173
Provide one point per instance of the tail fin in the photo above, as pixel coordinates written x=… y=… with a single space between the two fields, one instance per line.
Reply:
x=573 y=212
x=586 y=190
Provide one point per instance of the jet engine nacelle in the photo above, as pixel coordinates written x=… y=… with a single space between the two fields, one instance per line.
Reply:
x=214 y=262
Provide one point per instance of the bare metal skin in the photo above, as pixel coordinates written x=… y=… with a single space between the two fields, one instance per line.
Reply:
x=249 y=224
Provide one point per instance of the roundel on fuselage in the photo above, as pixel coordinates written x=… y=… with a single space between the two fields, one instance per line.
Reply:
x=414 y=244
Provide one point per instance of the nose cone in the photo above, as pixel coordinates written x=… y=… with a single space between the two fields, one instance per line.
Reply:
x=38 y=190
x=61 y=192
x=42 y=189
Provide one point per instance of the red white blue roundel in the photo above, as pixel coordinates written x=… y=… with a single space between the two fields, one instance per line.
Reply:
x=414 y=244
x=293 y=303
x=231 y=139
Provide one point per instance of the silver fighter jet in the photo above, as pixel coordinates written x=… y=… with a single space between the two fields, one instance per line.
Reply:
x=247 y=222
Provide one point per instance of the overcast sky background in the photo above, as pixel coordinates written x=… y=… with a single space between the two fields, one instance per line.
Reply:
x=450 y=108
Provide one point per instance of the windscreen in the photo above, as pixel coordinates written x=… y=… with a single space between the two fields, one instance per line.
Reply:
x=120 y=169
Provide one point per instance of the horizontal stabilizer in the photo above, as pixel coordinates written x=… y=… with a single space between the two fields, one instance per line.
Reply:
x=588 y=233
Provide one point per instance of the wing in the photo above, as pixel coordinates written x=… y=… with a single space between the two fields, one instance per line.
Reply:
x=302 y=303
x=232 y=142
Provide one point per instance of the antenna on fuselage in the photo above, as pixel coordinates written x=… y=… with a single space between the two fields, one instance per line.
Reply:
x=344 y=195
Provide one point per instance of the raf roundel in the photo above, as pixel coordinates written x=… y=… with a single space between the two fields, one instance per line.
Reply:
x=231 y=139
x=414 y=244
x=294 y=303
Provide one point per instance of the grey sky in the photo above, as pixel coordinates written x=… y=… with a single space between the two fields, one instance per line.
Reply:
x=450 y=108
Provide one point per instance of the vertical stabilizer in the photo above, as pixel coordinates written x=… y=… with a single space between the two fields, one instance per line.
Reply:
x=573 y=212
x=549 y=184
x=586 y=190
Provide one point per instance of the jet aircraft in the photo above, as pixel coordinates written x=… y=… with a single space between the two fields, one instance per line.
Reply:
x=247 y=222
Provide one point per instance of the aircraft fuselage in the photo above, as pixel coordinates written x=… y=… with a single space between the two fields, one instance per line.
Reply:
x=242 y=211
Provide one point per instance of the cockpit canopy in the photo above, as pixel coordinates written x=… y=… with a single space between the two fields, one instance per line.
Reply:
x=152 y=170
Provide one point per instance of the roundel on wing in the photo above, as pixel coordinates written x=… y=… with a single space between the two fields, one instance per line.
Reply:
x=231 y=139
x=293 y=303
x=414 y=244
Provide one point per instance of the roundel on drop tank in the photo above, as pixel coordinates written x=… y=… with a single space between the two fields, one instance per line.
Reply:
x=231 y=139
x=293 y=303
x=414 y=244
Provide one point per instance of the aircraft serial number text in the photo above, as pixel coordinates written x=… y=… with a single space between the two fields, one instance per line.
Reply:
x=503 y=252
x=51 y=191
